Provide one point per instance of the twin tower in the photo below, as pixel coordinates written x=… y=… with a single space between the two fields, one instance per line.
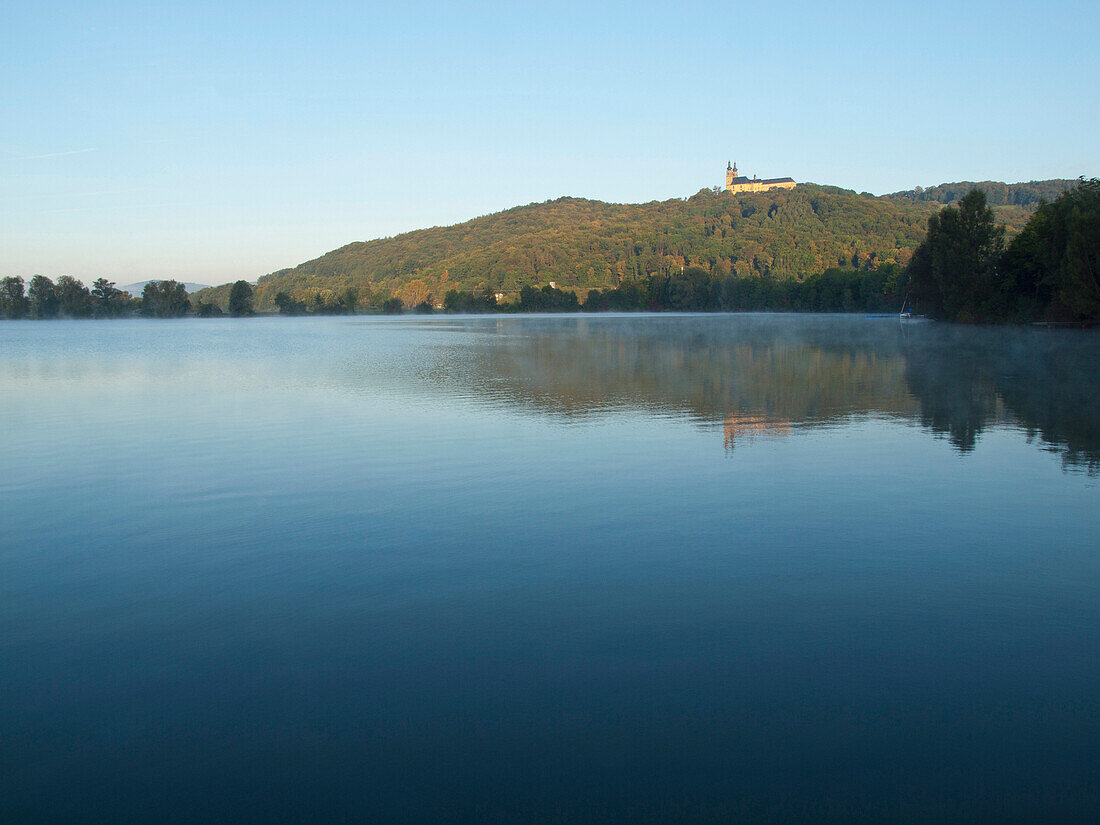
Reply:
x=735 y=183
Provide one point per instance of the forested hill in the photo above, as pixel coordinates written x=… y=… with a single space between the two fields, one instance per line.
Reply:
x=996 y=193
x=583 y=244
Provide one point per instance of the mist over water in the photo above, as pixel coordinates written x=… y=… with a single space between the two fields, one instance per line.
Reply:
x=702 y=568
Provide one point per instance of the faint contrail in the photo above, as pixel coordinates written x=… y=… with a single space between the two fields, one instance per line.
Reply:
x=54 y=154
x=80 y=194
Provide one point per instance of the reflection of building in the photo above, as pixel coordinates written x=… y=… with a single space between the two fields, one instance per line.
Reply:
x=735 y=183
x=739 y=426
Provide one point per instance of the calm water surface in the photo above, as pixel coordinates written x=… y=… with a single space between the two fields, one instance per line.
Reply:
x=565 y=569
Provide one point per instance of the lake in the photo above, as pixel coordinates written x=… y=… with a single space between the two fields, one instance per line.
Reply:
x=560 y=569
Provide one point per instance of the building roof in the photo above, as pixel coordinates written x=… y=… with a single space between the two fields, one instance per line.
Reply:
x=743 y=179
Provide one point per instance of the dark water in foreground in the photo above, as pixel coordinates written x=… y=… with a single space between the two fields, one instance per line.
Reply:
x=614 y=569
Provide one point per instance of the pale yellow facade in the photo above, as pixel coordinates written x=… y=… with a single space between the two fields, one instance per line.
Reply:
x=736 y=183
x=760 y=185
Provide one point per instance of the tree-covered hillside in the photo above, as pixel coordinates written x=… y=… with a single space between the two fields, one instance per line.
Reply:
x=581 y=244
x=996 y=193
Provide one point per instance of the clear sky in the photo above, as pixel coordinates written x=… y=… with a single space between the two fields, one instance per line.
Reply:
x=215 y=141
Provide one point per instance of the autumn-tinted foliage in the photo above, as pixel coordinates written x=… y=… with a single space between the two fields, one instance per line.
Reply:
x=582 y=245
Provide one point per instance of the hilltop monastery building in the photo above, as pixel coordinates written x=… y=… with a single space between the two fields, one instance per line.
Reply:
x=743 y=184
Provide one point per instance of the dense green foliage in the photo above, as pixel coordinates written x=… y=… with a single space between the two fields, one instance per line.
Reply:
x=13 y=298
x=205 y=310
x=1050 y=270
x=108 y=301
x=320 y=305
x=462 y=301
x=240 y=299
x=43 y=297
x=953 y=273
x=287 y=305
x=69 y=298
x=696 y=290
x=547 y=299
x=996 y=193
x=164 y=299
x=74 y=299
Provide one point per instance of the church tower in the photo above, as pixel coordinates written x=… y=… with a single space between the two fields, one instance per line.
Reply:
x=731 y=175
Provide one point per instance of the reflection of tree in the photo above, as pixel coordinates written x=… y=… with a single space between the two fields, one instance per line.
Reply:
x=1054 y=394
x=956 y=396
x=1043 y=380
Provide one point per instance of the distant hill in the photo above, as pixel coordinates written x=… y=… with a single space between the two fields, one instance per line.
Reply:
x=136 y=289
x=996 y=193
x=582 y=244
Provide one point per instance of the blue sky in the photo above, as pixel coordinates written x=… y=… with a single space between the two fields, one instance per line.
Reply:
x=214 y=141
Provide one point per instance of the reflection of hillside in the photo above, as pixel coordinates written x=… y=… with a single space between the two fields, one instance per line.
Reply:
x=757 y=374
x=708 y=368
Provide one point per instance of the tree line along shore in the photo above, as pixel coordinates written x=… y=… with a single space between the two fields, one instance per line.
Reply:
x=963 y=269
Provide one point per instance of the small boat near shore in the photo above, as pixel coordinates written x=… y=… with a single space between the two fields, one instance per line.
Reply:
x=902 y=316
x=906 y=313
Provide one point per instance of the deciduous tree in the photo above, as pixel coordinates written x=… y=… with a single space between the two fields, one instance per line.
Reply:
x=240 y=299
x=74 y=299
x=107 y=300
x=953 y=273
x=43 y=297
x=164 y=299
x=13 y=299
